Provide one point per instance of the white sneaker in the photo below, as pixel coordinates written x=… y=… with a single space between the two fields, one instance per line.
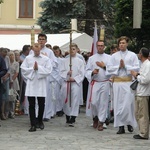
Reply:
x=104 y=126
x=71 y=124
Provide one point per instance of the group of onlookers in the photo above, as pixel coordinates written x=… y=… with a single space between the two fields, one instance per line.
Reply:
x=58 y=85
x=10 y=83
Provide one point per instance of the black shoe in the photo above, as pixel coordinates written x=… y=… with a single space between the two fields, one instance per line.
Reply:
x=41 y=125
x=107 y=121
x=67 y=119
x=139 y=137
x=46 y=119
x=130 y=128
x=73 y=119
x=37 y=125
x=32 y=129
x=121 y=130
x=60 y=113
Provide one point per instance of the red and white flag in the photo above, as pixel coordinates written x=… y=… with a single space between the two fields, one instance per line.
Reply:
x=95 y=39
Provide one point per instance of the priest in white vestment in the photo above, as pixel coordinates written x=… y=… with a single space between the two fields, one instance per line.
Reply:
x=35 y=69
x=98 y=91
x=120 y=65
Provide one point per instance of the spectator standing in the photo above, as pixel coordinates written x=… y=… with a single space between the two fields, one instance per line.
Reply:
x=142 y=95
x=14 y=84
x=5 y=82
x=3 y=71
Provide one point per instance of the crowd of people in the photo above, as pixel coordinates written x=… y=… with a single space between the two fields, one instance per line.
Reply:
x=48 y=83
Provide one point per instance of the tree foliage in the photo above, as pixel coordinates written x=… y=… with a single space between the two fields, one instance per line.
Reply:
x=124 y=23
x=57 y=14
x=1 y=1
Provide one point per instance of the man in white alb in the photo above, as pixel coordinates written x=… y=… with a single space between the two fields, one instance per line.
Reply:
x=120 y=65
x=98 y=92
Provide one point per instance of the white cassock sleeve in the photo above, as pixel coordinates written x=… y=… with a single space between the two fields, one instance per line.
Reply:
x=112 y=67
x=134 y=65
x=64 y=71
x=80 y=76
x=45 y=70
x=144 y=77
x=88 y=70
x=27 y=71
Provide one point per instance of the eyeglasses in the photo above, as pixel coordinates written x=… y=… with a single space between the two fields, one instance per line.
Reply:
x=41 y=39
x=100 y=45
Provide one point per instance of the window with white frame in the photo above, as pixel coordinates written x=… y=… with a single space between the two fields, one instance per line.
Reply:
x=25 y=8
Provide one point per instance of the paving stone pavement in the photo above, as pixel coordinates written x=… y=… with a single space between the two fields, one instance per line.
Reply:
x=14 y=135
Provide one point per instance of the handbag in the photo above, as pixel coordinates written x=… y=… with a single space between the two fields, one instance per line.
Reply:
x=134 y=84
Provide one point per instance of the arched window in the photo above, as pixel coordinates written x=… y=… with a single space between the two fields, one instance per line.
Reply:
x=25 y=8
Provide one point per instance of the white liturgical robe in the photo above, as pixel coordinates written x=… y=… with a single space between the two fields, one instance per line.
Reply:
x=36 y=79
x=98 y=90
x=78 y=75
x=122 y=95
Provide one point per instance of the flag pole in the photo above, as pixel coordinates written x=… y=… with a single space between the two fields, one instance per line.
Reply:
x=95 y=39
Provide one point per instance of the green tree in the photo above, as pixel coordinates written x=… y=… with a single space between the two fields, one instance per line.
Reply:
x=124 y=24
x=1 y=1
x=57 y=14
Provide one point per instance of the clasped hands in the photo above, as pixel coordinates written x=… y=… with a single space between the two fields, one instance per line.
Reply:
x=35 y=67
x=122 y=65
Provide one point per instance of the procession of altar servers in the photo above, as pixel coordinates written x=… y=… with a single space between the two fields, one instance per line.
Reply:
x=56 y=89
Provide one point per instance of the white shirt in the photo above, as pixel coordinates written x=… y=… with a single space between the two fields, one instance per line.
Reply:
x=143 y=88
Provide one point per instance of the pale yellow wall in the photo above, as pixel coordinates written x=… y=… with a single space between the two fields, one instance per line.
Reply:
x=9 y=13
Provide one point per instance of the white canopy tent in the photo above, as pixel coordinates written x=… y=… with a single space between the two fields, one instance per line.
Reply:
x=16 y=42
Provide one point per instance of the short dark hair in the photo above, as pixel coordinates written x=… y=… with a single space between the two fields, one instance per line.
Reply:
x=56 y=47
x=2 y=49
x=25 y=48
x=43 y=35
x=123 y=38
x=113 y=46
x=145 y=52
